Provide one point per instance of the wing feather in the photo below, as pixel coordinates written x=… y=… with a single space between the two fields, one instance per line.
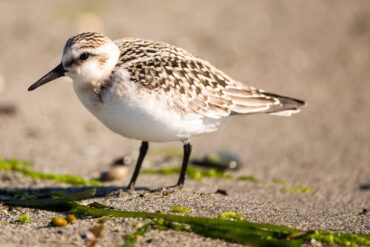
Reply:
x=194 y=85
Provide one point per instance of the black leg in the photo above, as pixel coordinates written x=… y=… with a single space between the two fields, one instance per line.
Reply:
x=187 y=152
x=143 y=150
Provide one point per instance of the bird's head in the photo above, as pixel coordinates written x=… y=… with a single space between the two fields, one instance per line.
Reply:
x=87 y=58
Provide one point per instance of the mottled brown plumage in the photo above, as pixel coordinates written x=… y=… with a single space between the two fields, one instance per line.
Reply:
x=193 y=83
x=86 y=40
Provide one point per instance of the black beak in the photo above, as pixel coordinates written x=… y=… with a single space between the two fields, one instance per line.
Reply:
x=57 y=72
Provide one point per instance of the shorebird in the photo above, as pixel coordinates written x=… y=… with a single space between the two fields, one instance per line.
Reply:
x=156 y=92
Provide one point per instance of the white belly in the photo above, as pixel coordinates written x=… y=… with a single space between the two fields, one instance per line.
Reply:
x=144 y=117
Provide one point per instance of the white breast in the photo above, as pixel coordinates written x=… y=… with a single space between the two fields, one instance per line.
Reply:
x=132 y=113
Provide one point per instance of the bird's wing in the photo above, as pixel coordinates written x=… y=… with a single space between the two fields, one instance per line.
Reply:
x=194 y=84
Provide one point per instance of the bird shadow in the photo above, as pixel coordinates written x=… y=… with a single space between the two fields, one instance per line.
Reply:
x=47 y=192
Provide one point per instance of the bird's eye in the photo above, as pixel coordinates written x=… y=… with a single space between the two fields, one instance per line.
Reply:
x=84 y=56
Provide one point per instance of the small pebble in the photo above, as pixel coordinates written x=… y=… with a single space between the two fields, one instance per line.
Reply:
x=222 y=192
x=365 y=186
x=93 y=235
x=97 y=230
x=8 y=109
x=114 y=173
x=71 y=218
x=364 y=211
x=59 y=221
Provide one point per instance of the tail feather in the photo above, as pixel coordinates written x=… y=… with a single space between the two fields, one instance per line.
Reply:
x=286 y=107
x=258 y=101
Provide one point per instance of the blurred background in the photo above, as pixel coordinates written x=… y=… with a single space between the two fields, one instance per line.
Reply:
x=318 y=51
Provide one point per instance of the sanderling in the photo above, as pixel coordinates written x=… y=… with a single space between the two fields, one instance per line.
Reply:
x=156 y=92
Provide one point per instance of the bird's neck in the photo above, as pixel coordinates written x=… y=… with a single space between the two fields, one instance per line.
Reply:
x=90 y=91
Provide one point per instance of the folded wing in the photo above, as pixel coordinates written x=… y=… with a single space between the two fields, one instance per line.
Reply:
x=196 y=86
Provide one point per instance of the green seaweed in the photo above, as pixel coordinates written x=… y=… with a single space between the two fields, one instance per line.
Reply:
x=179 y=209
x=23 y=168
x=239 y=231
x=279 y=181
x=24 y=218
x=199 y=174
x=250 y=179
x=343 y=239
x=130 y=239
x=230 y=226
x=25 y=196
x=300 y=189
x=192 y=172
x=157 y=224
x=231 y=216
x=234 y=231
